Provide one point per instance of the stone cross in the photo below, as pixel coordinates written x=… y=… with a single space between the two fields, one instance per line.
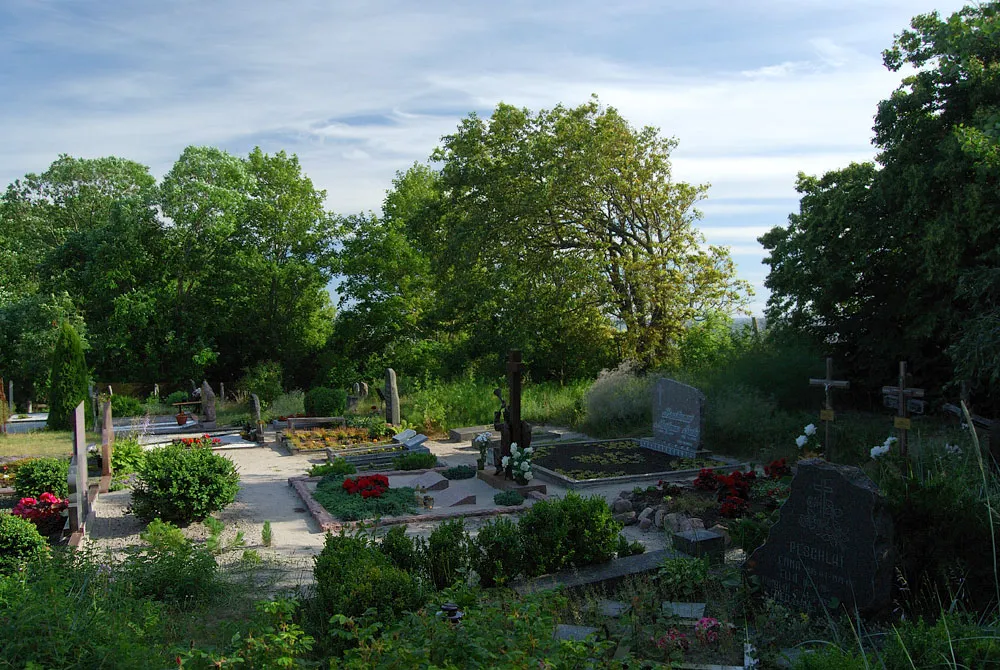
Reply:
x=3 y=410
x=222 y=391
x=902 y=420
x=207 y=404
x=508 y=419
x=826 y=416
x=391 y=398
x=107 y=440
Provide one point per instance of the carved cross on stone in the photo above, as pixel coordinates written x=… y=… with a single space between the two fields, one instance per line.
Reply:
x=826 y=416
x=512 y=429
x=902 y=420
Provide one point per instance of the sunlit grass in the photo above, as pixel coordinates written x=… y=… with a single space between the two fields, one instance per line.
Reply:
x=41 y=443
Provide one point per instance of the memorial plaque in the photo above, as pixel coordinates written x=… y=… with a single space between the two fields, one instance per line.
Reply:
x=826 y=415
x=913 y=405
x=832 y=542
x=901 y=422
x=677 y=419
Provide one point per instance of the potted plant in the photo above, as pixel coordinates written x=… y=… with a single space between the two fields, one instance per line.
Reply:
x=481 y=442
x=181 y=418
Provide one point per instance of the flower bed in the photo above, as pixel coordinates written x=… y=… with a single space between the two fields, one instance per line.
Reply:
x=346 y=437
x=366 y=497
x=611 y=458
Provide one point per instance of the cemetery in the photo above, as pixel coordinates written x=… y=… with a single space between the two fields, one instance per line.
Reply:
x=532 y=433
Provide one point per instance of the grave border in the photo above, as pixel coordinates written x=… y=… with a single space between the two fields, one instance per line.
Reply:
x=670 y=475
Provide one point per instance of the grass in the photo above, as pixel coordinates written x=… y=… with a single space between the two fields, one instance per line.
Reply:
x=41 y=443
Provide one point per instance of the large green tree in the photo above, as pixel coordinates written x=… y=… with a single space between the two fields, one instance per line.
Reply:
x=69 y=378
x=897 y=261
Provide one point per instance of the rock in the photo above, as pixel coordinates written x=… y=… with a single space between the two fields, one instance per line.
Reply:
x=644 y=524
x=697 y=524
x=627 y=518
x=647 y=514
x=658 y=518
x=677 y=522
x=620 y=506
x=723 y=531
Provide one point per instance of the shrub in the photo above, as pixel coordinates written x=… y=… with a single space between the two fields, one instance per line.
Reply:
x=126 y=405
x=321 y=401
x=414 y=461
x=497 y=553
x=618 y=401
x=508 y=498
x=69 y=378
x=20 y=542
x=375 y=425
x=171 y=568
x=459 y=472
x=447 y=553
x=401 y=550
x=626 y=548
x=571 y=532
x=127 y=455
x=181 y=485
x=682 y=579
x=41 y=475
x=287 y=404
x=338 y=466
x=352 y=576
x=176 y=396
x=264 y=379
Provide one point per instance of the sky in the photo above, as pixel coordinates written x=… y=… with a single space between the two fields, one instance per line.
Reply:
x=754 y=90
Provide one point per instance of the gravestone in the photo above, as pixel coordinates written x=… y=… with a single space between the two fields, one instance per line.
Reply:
x=432 y=480
x=222 y=391
x=207 y=406
x=4 y=415
x=364 y=389
x=677 y=419
x=156 y=391
x=79 y=500
x=391 y=398
x=107 y=440
x=255 y=409
x=403 y=436
x=356 y=389
x=10 y=394
x=833 y=540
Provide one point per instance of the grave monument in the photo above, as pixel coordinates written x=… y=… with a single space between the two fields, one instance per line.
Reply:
x=677 y=419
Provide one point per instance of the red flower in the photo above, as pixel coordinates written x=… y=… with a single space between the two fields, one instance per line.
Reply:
x=706 y=481
x=777 y=469
x=733 y=507
x=368 y=486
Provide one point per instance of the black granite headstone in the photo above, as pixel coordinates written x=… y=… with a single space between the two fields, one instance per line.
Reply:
x=832 y=543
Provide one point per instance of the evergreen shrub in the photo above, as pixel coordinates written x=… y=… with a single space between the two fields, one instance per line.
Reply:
x=322 y=401
x=69 y=378
x=41 y=475
x=20 y=542
x=181 y=485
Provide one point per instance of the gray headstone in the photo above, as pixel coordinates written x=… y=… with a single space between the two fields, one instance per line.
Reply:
x=684 y=610
x=832 y=540
x=677 y=419
x=222 y=391
x=356 y=389
x=107 y=439
x=391 y=398
x=453 y=498
x=207 y=403
x=415 y=441
x=79 y=501
x=363 y=390
x=254 y=408
x=10 y=394
x=156 y=390
x=567 y=632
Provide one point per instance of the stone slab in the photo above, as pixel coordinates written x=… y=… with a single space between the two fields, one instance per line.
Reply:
x=453 y=498
x=468 y=432
x=693 y=611
x=414 y=441
x=403 y=436
x=431 y=481
x=595 y=574
x=700 y=543
x=567 y=632
x=500 y=482
x=612 y=608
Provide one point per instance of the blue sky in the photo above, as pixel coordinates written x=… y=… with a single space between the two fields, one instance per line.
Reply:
x=754 y=90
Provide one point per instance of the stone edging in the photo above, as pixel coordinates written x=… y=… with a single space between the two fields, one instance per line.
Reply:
x=669 y=475
x=328 y=524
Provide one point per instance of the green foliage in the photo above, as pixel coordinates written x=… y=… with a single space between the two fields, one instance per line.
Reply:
x=508 y=498
x=342 y=505
x=447 y=553
x=402 y=551
x=265 y=534
x=682 y=579
x=264 y=379
x=176 y=396
x=626 y=548
x=68 y=380
x=497 y=553
x=182 y=485
x=127 y=455
x=126 y=405
x=414 y=461
x=617 y=403
x=321 y=401
x=459 y=472
x=749 y=533
x=38 y=475
x=171 y=568
x=375 y=425
x=287 y=404
x=338 y=466
x=568 y=532
x=20 y=543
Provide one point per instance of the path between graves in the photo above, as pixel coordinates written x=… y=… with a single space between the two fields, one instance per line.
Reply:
x=266 y=496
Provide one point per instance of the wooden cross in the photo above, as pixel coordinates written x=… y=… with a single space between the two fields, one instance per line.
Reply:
x=826 y=415
x=512 y=428
x=902 y=420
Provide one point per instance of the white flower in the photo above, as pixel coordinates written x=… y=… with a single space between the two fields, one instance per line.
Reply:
x=876 y=452
x=525 y=466
x=513 y=446
x=810 y=429
x=889 y=441
x=953 y=448
x=505 y=461
x=528 y=450
x=801 y=440
x=529 y=475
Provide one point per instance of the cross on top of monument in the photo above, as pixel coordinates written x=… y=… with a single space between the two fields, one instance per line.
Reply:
x=828 y=384
x=902 y=421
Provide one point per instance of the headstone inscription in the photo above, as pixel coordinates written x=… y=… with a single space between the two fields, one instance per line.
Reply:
x=903 y=395
x=207 y=405
x=391 y=398
x=826 y=416
x=79 y=501
x=107 y=439
x=832 y=540
x=677 y=419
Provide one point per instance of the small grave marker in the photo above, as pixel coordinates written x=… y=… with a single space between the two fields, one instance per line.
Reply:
x=832 y=542
x=3 y=410
x=902 y=421
x=403 y=436
x=79 y=499
x=677 y=419
x=826 y=414
x=207 y=406
x=391 y=398
x=430 y=481
x=107 y=439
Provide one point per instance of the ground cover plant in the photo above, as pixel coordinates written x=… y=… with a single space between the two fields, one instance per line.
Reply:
x=414 y=461
x=344 y=498
x=459 y=472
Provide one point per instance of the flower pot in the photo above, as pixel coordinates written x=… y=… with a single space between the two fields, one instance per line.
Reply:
x=481 y=464
x=181 y=419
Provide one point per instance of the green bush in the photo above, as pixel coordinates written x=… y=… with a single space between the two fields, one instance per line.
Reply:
x=126 y=405
x=264 y=379
x=20 y=543
x=171 y=568
x=176 y=396
x=459 y=472
x=338 y=466
x=626 y=548
x=127 y=455
x=375 y=425
x=618 y=402
x=40 y=475
x=416 y=461
x=181 y=485
x=682 y=579
x=447 y=553
x=402 y=550
x=352 y=576
x=566 y=533
x=69 y=378
x=497 y=553
x=321 y=401
x=508 y=498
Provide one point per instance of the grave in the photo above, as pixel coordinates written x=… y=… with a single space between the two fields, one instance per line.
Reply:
x=453 y=498
x=207 y=407
x=391 y=398
x=700 y=542
x=431 y=480
x=832 y=542
x=904 y=396
x=79 y=490
x=596 y=574
x=677 y=419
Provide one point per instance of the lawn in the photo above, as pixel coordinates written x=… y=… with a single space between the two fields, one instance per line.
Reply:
x=41 y=443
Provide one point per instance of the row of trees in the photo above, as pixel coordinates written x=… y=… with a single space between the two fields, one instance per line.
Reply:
x=560 y=232
x=899 y=259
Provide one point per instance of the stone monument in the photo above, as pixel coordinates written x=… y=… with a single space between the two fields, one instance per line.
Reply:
x=832 y=544
x=391 y=398
x=677 y=419
x=107 y=439
x=207 y=406
x=79 y=498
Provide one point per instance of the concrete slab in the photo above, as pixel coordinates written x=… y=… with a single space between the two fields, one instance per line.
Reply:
x=430 y=481
x=453 y=498
x=595 y=574
x=567 y=632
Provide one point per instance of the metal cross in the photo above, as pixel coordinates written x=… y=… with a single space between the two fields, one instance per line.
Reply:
x=826 y=416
